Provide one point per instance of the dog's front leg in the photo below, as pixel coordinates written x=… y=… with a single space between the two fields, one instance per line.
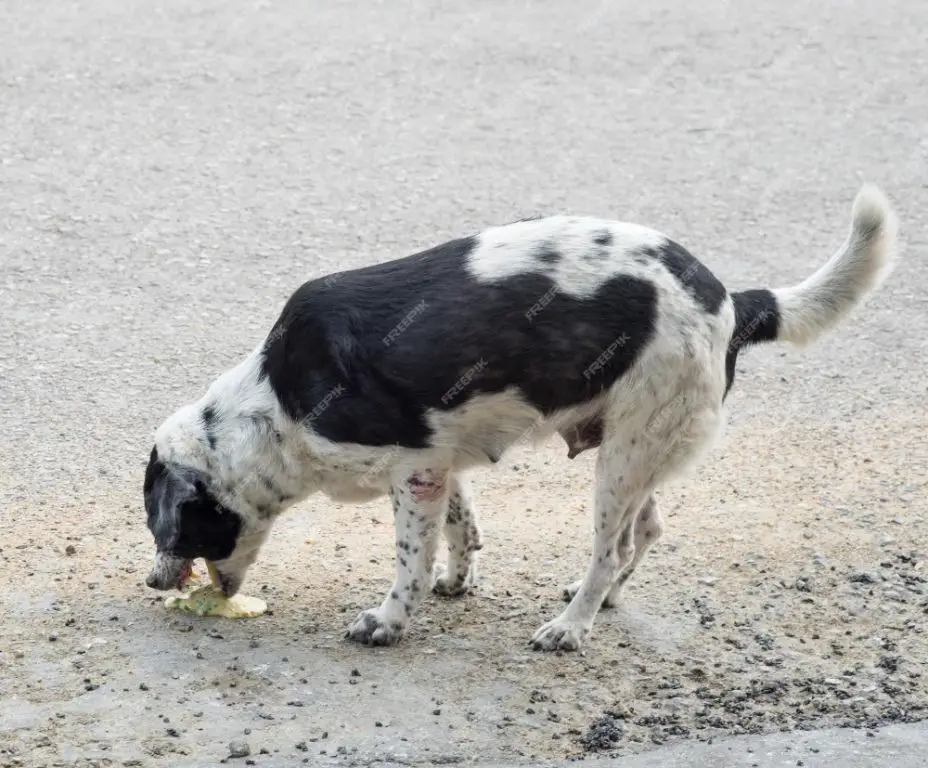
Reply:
x=420 y=500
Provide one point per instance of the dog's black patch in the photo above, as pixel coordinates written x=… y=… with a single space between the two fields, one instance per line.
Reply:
x=366 y=357
x=757 y=319
x=604 y=237
x=209 y=422
x=183 y=516
x=692 y=274
x=547 y=254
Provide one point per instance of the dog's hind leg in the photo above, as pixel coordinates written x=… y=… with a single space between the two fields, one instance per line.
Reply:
x=648 y=528
x=624 y=481
x=628 y=469
x=464 y=541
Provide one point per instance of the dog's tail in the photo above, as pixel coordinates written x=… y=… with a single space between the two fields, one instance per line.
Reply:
x=802 y=313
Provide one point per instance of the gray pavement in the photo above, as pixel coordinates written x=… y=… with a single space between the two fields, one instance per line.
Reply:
x=170 y=171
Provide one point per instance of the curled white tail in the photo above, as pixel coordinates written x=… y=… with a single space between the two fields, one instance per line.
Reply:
x=815 y=306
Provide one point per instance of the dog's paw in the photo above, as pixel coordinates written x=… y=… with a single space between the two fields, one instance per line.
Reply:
x=370 y=628
x=453 y=584
x=570 y=591
x=560 y=635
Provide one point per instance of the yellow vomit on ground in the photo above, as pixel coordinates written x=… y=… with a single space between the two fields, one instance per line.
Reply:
x=210 y=601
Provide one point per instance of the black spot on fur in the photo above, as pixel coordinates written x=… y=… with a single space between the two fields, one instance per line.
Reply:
x=209 y=423
x=547 y=254
x=694 y=276
x=603 y=237
x=471 y=338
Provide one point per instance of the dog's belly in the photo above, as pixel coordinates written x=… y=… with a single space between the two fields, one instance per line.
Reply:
x=355 y=495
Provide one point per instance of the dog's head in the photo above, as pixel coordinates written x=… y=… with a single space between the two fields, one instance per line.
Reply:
x=188 y=522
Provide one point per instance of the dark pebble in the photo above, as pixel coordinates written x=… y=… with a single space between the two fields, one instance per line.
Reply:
x=603 y=734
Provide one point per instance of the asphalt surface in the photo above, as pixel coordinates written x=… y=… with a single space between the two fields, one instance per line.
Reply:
x=171 y=171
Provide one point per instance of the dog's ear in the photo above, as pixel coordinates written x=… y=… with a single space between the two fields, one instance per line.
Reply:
x=166 y=491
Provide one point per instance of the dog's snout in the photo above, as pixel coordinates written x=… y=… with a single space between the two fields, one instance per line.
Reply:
x=156 y=580
x=168 y=572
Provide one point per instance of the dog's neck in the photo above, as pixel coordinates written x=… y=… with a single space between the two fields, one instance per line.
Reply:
x=255 y=458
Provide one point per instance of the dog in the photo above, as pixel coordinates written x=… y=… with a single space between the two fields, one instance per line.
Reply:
x=395 y=379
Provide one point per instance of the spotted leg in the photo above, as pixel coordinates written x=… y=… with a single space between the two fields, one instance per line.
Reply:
x=420 y=499
x=648 y=529
x=464 y=541
x=621 y=490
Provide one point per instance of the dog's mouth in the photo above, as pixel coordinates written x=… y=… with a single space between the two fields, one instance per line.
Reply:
x=185 y=574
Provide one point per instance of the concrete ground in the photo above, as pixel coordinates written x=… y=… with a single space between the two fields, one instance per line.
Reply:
x=170 y=171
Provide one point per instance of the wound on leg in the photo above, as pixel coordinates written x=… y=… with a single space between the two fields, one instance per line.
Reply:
x=425 y=486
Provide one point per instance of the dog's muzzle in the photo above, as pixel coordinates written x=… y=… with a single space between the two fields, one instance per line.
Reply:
x=169 y=572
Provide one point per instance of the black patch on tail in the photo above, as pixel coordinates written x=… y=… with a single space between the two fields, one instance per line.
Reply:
x=757 y=319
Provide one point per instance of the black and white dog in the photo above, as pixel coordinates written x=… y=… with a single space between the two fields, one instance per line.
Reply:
x=396 y=378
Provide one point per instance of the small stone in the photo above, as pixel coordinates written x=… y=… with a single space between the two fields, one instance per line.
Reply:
x=708 y=580
x=143 y=686
x=70 y=550
x=863 y=577
x=239 y=749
